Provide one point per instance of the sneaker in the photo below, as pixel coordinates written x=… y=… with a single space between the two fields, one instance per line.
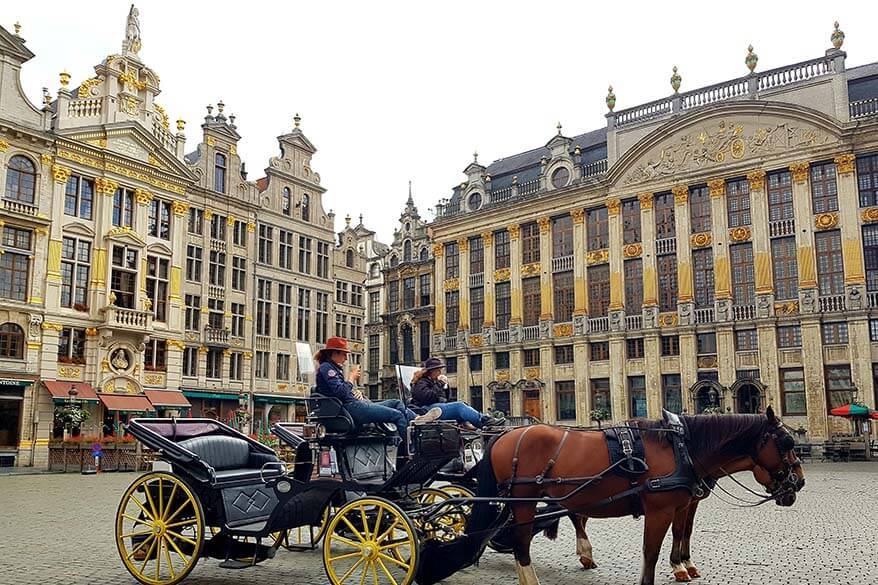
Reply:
x=431 y=415
x=494 y=421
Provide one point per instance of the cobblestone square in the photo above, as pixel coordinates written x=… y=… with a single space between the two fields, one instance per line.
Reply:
x=58 y=529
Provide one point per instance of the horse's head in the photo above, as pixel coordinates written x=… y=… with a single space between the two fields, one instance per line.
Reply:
x=778 y=468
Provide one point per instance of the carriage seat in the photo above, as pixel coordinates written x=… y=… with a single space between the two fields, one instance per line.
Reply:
x=233 y=459
x=329 y=412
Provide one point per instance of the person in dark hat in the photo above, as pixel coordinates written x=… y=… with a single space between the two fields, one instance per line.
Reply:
x=331 y=382
x=430 y=390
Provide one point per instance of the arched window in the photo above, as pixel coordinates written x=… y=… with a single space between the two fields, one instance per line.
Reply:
x=349 y=258
x=306 y=207
x=11 y=341
x=286 y=205
x=219 y=173
x=375 y=270
x=21 y=180
x=425 y=254
x=394 y=261
x=407 y=251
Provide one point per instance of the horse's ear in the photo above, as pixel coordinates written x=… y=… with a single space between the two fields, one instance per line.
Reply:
x=769 y=412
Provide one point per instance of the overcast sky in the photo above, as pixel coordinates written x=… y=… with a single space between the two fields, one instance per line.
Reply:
x=397 y=91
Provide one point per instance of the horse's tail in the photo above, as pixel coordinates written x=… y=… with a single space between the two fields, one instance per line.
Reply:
x=551 y=531
x=441 y=560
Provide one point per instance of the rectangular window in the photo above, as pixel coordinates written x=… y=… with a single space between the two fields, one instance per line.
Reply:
x=531 y=358
x=218 y=227
x=873 y=332
x=452 y=260
x=356 y=328
x=374 y=353
x=663 y=207
x=743 y=274
x=155 y=355
x=562 y=236
x=631 y=221
x=265 y=243
x=283 y=367
x=393 y=296
x=194 y=260
x=357 y=295
x=321 y=323
x=476 y=256
x=303 y=320
x=71 y=346
x=424 y=288
x=239 y=233
x=738 y=202
x=394 y=347
x=159 y=225
x=260 y=365
x=830 y=265
x=699 y=209
x=824 y=188
x=867 y=180
x=476 y=399
x=476 y=309
x=835 y=333
x=157 y=286
x=598 y=290
x=285 y=249
x=599 y=350
x=193 y=313
x=503 y=305
x=475 y=363
x=530 y=243
x=785 y=267
x=702 y=268
x=637 y=394
x=341 y=292
x=239 y=272
x=634 y=348
x=780 y=196
x=792 y=386
x=214 y=363
x=284 y=311
x=502 y=359
x=633 y=286
x=123 y=208
x=839 y=387
x=670 y=345
x=562 y=290
x=79 y=197
x=501 y=249
x=236 y=366
x=706 y=343
x=374 y=307
x=451 y=365
x=304 y=255
x=123 y=277
x=75 y=266
x=600 y=395
x=424 y=328
x=746 y=340
x=341 y=325
x=322 y=259
x=530 y=294
x=672 y=395
x=597 y=229
x=196 y=221
x=263 y=307
x=237 y=319
x=408 y=292
x=215 y=313
x=563 y=354
x=789 y=336
x=217 y=268
x=565 y=397
x=190 y=362
x=870 y=255
x=452 y=312
x=667 y=280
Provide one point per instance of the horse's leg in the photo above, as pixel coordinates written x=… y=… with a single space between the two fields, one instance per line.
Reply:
x=523 y=515
x=583 y=546
x=655 y=527
x=687 y=535
x=678 y=530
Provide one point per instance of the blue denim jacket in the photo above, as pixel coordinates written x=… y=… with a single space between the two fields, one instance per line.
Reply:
x=331 y=382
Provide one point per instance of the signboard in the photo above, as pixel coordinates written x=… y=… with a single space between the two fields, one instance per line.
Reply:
x=15 y=383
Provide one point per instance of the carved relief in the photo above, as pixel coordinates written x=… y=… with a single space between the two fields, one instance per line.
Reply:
x=598 y=257
x=717 y=188
x=452 y=284
x=632 y=250
x=532 y=373
x=438 y=250
x=614 y=206
x=844 y=163
x=740 y=234
x=544 y=223
x=700 y=240
x=826 y=221
x=563 y=330
x=667 y=320
x=757 y=180
x=532 y=269
x=786 y=308
x=856 y=298
x=501 y=275
x=502 y=375
x=580 y=324
x=800 y=170
x=514 y=231
x=578 y=216
x=476 y=341
x=488 y=239
x=681 y=194
x=869 y=215
x=645 y=200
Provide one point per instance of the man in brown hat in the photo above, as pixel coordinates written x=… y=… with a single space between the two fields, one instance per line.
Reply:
x=331 y=382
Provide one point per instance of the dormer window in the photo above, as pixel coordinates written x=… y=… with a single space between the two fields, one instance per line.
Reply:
x=306 y=207
x=407 y=251
x=474 y=201
x=408 y=227
x=286 y=201
x=425 y=254
x=349 y=259
x=219 y=173
x=560 y=177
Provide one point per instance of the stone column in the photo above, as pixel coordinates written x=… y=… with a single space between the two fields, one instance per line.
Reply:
x=815 y=385
x=685 y=297
x=616 y=309
x=547 y=300
x=725 y=355
x=580 y=289
x=618 y=387
x=439 y=295
x=805 y=251
x=650 y=275
x=515 y=283
x=39 y=266
x=463 y=288
x=722 y=273
x=490 y=306
x=653 y=373
x=547 y=376
x=768 y=363
x=688 y=366
x=580 y=378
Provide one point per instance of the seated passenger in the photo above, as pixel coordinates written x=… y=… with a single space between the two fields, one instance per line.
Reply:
x=429 y=390
x=331 y=382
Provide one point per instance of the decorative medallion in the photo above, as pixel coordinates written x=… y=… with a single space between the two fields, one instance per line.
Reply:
x=681 y=194
x=532 y=373
x=614 y=206
x=532 y=269
x=826 y=221
x=514 y=231
x=717 y=188
x=869 y=215
x=700 y=240
x=645 y=200
x=563 y=330
x=844 y=163
x=452 y=284
x=740 y=234
x=787 y=308
x=476 y=341
x=598 y=257
x=757 y=180
x=501 y=275
x=544 y=223
x=800 y=171
x=707 y=361
x=667 y=320
x=578 y=216
x=632 y=250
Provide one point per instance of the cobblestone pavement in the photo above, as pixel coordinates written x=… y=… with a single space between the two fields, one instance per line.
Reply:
x=58 y=529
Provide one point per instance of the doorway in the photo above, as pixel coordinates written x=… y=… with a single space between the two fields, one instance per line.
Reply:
x=532 y=405
x=749 y=399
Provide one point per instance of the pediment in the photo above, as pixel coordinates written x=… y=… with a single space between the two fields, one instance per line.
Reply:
x=298 y=140
x=722 y=137
x=125 y=235
x=159 y=249
x=78 y=229
x=9 y=43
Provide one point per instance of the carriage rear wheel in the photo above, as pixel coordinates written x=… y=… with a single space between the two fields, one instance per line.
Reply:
x=159 y=529
x=452 y=522
x=370 y=540
x=307 y=536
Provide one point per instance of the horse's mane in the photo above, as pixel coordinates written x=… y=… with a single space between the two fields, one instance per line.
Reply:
x=717 y=433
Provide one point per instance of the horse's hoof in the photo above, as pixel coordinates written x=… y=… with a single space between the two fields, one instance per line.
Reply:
x=693 y=572
x=682 y=576
x=587 y=563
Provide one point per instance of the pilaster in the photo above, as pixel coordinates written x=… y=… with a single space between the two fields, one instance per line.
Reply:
x=851 y=234
x=618 y=387
x=688 y=367
x=580 y=289
x=463 y=270
x=580 y=377
x=439 y=292
x=515 y=277
x=722 y=273
x=815 y=385
x=616 y=307
x=650 y=274
x=547 y=300
x=652 y=372
x=490 y=307
x=683 y=227
x=768 y=363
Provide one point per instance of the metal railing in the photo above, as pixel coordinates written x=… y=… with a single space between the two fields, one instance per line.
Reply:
x=530 y=333
x=666 y=246
x=831 y=303
x=782 y=227
x=744 y=312
x=562 y=263
x=594 y=168
x=599 y=324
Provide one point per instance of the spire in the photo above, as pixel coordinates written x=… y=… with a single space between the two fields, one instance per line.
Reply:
x=410 y=201
x=132 y=44
x=361 y=219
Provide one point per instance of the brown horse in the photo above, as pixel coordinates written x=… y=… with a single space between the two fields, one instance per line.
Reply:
x=719 y=445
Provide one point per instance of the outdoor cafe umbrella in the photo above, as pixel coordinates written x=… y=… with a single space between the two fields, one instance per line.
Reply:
x=858 y=411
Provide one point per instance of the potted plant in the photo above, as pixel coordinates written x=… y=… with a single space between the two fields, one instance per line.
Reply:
x=713 y=410
x=598 y=415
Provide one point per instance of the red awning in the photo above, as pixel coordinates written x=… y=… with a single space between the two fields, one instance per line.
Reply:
x=126 y=402
x=172 y=398
x=60 y=389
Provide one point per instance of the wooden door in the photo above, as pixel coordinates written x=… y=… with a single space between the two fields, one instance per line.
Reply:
x=532 y=404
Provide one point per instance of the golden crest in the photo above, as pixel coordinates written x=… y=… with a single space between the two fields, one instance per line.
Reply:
x=707 y=361
x=438 y=250
x=667 y=320
x=452 y=284
x=740 y=234
x=700 y=240
x=632 y=250
x=501 y=275
x=826 y=221
x=563 y=330
x=869 y=215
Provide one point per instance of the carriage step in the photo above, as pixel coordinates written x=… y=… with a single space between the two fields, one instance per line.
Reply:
x=235 y=564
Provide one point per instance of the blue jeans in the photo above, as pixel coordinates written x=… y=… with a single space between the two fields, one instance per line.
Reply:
x=389 y=411
x=461 y=412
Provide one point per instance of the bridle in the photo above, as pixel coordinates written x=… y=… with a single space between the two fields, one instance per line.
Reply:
x=785 y=480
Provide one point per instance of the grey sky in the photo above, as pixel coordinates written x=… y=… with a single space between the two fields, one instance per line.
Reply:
x=393 y=91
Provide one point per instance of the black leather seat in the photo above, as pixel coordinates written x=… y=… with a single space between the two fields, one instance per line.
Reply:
x=232 y=459
x=329 y=412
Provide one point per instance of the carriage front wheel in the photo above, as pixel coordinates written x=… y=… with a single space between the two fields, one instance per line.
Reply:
x=159 y=529
x=370 y=540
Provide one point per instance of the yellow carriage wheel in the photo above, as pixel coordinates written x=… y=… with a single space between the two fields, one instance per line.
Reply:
x=451 y=523
x=159 y=529
x=370 y=540
x=295 y=538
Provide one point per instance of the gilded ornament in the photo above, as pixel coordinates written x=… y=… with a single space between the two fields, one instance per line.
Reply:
x=502 y=375
x=614 y=206
x=154 y=379
x=787 y=308
x=800 y=171
x=501 y=275
x=91 y=331
x=869 y=215
x=488 y=239
x=46 y=159
x=532 y=373
x=211 y=141
x=85 y=87
x=844 y=163
x=611 y=98
x=837 y=37
x=757 y=180
x=563 y=330
x=667 y=320
x=67 y=372
x=4 y=146
x=438 y=250
x=106 y=186
x=202 y=349
x=578 y=216
x=208 y=215
x=681 y=194
x=128 y=78
x=826 y=221
x=700 y=240
x=251 y=227
x=64 y=77
x=105 y=365
x=717 y=188
x=129 y=104
x=41 y=231
x=740 y=234
x=248 y=355
x=233 y=150
x=163 y=115
x=60 y=174
x=452 y=284
x=230 y=221
x=645 y=200
x=47 y=326
x=181 y=125
x=751 y=59
x=143 y=196
x=532 y=269
x=462 y=244
x=707 y=361
x=632 y=250
x=476 y=341
x=598 y=257
x=514 y=231
x=175 y=343
x=545 y=223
